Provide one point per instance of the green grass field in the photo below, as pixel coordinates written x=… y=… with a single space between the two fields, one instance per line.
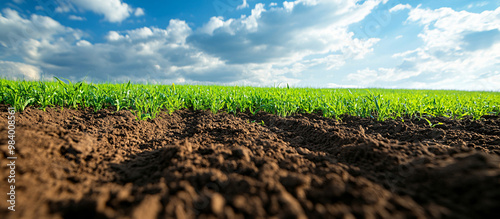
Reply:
x=145 y=101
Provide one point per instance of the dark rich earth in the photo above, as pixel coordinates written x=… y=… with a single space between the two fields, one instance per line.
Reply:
x=80 y=164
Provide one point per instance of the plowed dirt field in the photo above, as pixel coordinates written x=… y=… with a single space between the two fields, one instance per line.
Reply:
x=81 y=164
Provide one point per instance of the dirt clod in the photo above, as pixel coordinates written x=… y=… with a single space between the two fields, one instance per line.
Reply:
x=217 y=204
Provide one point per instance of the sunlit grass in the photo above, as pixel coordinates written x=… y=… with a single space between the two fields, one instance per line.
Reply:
x=146 y=101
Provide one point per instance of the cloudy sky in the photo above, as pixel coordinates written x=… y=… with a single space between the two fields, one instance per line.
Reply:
x=447 y=44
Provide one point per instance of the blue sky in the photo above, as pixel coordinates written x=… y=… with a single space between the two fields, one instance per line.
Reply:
x=448 y=44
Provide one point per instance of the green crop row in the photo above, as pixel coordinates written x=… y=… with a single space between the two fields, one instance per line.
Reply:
x=146 y=101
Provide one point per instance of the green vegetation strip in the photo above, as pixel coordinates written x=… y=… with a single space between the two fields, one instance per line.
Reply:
x=146 y=101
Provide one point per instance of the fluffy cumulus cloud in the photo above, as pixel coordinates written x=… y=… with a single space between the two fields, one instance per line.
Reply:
x=16 y=70
x=143 y=54
x=139 y=54
x=286 y=34
x=271 y=45
x=139 y=12
x=23 y=37
x=461 y=50
x=112 y=10
x=243 y=5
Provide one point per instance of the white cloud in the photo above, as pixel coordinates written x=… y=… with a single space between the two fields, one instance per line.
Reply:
x=113 y=10
x=461 y=50
x=447 y=22
x=446 y=31
x=138 y=54
x=139 y=12
x=19 y=35
x=18 y=1
x=76 y=18
x=141 y=33
x=269 y=36
x=113 y=36
x=259 y=49
x=398 y=37
x=243 y=5
x=400 y=7
x=16 y=70
x=83 y=43
x=216 y=23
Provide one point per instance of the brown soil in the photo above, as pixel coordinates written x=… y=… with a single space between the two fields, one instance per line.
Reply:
x=79 y=164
